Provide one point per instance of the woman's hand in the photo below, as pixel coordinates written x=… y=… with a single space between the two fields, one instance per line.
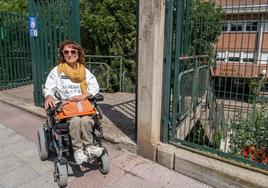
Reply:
x=80 y=97
x=49 y=102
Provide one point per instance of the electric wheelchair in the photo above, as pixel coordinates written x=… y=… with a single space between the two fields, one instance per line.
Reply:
x=53 y=137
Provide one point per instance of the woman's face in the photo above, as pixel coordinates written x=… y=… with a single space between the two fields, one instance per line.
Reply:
x=70 y=55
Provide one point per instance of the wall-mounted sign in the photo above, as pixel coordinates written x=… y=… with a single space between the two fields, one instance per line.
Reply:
x=32 y=20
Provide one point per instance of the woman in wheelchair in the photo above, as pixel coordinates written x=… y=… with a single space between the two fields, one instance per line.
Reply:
x=75 y=83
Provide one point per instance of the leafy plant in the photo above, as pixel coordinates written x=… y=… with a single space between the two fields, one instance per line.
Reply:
x=198 y=136
x=206 y=24
x=108 y=27
x=217 y=139
x=16 y=6
x=255 y=86
x=249 y=133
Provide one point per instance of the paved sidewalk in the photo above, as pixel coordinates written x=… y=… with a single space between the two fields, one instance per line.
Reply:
x=118 y=109
x=21 y=167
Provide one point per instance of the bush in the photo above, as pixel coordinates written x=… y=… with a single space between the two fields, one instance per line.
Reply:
x=249 y=135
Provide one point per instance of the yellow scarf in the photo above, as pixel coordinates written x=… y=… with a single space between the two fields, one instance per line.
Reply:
x=77 y=75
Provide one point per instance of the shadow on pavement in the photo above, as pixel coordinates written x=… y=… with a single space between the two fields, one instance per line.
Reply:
x=76 y=170
x=123 y=116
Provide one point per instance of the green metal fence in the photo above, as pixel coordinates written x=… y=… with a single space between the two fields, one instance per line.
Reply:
x=57 y=20
x=15 y=59
x=215 y=91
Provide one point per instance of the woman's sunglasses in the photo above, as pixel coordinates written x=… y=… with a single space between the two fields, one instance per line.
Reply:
x=67 y=52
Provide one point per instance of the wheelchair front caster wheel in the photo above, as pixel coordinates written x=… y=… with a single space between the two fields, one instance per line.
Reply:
x=61 y=174
x=104 y=163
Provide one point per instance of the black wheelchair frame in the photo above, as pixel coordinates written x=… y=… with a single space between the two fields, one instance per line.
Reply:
x=54 y=137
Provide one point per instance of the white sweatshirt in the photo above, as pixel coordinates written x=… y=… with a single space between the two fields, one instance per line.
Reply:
x=66 y=87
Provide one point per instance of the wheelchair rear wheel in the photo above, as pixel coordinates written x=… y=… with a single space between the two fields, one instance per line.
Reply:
x=61 y=174
x=104 y=163
x=42 y=144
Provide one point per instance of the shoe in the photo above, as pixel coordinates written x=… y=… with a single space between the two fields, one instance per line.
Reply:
x=80 y=157
x=94 y=151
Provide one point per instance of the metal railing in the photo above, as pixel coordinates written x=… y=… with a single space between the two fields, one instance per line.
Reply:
x=110 y=72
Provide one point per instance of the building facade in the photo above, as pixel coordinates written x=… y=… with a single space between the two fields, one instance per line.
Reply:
x=242 y=47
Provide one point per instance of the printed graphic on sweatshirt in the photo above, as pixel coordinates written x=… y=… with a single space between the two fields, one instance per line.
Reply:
x=70 y=89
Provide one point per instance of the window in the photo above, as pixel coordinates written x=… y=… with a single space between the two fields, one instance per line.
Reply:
x=251 y=26
x=225 y=27
x=236 y=26
x=264 y=58
x=266 y=26
x=242 y=25
x=247 y=57
x=220 y=56
x=248 y=60
x=233 y=58
x=220 y=59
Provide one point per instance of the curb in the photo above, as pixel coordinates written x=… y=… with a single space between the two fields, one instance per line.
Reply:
x=208 y=169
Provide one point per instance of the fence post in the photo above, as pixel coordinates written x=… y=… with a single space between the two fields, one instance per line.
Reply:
x=32 y=12
x=76 y=21
x=177 y=62
x=120 y=77
x=150 y=66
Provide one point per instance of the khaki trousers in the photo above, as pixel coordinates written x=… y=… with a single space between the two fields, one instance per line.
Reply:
x=80 y=131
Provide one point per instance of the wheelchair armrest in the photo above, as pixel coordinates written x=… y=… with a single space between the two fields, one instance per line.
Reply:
x=98 y=97
x=50 y=111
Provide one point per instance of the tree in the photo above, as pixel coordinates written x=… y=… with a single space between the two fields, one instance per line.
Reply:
x=206 y=25
x=108 y=27
x=16 y=6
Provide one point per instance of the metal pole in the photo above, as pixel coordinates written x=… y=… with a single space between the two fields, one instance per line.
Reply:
x=178 y=41
x=120 y=76
x=167 y=71
x=31 y=8
x=76 y=20
x=137 y=49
